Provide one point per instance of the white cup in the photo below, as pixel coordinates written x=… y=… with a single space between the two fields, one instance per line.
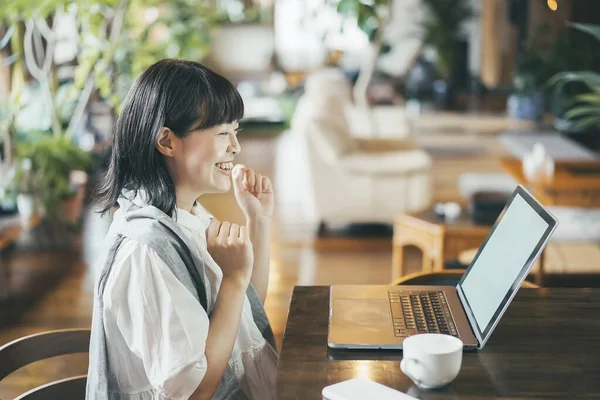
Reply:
x=431 y=360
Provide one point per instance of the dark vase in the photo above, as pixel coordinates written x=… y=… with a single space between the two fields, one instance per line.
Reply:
x=419 y=81
x=527 y=107
x=444 y=94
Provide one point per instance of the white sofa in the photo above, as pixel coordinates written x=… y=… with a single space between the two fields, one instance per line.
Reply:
x=327 y=174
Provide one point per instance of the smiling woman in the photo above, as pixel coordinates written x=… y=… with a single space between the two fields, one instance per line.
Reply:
x=185 y=108
x=178 y=307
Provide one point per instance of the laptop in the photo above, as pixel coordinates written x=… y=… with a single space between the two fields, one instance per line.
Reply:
x=381 y=317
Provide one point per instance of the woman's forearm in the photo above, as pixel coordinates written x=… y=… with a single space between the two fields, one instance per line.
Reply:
x=259 y=230
x=224 y=325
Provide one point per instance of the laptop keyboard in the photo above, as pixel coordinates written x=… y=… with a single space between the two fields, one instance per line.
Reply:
x=420 y=312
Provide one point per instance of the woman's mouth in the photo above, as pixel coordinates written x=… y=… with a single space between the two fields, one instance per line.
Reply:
x=225 y=167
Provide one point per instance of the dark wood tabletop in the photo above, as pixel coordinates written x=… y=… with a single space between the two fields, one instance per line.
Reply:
x=547 y=346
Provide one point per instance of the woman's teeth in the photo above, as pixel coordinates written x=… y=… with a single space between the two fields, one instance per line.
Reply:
x=226 y=166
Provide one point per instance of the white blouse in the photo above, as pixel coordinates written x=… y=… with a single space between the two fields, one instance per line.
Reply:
x=156 y=330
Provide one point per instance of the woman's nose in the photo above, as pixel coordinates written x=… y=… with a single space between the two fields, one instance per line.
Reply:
x=234 y=145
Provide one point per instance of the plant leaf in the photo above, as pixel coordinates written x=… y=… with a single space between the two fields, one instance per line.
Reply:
x=592 y=29
x=592 y=79
x=348 y=7
x=580 y=111
x=590 y=121
x=593 y=98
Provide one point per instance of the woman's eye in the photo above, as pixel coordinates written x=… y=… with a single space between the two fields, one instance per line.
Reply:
x=224 y=133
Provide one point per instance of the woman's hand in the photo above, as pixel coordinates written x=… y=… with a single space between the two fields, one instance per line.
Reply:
x=253 y=192
x=229 y=245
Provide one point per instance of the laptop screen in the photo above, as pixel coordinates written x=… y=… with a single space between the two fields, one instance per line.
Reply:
x=504 y=260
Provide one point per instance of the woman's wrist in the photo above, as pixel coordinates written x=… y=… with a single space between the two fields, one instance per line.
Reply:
x=258 y=220
x=237 y=282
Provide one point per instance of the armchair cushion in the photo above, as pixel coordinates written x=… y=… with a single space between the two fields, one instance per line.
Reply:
x=390 y=163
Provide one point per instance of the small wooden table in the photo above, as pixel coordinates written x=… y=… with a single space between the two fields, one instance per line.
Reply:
x=575 y=183
x=545 y=346
x=438 y=239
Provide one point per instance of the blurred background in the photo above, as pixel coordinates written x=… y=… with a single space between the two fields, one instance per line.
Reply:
x=365 y=113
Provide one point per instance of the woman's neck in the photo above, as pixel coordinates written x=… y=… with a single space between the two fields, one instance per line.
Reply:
x=186 y=199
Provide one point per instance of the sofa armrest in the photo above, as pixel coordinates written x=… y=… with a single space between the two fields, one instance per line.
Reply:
x=381 y=145
x=397 y=163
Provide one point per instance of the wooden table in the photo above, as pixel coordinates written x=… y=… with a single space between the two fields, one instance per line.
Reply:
x=439 y=240
x=575 y=183
x=546 y=346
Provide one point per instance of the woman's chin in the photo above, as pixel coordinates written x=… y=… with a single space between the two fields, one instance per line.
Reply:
x=222 y=186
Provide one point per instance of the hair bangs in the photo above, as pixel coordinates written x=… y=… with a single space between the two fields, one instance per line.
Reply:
x=222 y=105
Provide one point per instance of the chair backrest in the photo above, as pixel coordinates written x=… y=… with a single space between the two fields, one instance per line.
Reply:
x=446 y=278
x=39 y=346
x=323 y=120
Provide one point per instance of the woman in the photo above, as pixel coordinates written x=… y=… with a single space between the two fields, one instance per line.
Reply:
x=178 y=305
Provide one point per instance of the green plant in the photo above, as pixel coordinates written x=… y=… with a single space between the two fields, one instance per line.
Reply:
x=370 y=15
x=44 y=163
x=533 y=66
x=152 y=30
x=119 y=39
x=442 y=27
x=583 y=108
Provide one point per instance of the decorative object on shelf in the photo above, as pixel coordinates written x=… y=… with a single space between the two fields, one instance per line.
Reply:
x=448 y=211
x=526 y=106
x=538 y=166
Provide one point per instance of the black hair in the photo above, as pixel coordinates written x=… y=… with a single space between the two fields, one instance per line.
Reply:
x=180 y=95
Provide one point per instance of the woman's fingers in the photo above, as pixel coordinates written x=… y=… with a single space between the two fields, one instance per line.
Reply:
x=251 y=179
x=258 y=187
x=266 y=185
x=213 y=228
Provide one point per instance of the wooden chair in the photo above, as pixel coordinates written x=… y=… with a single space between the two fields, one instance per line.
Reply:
x=446 y=278
x=39 y=346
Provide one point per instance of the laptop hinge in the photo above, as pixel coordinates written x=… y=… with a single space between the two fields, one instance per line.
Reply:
x=469 y=315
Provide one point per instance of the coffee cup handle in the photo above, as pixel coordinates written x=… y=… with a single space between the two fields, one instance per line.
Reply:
x=405 y=366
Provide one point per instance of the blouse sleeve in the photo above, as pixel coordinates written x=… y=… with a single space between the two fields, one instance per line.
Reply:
x=160 y=320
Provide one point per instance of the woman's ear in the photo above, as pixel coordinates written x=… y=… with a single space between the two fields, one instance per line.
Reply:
x=166 y=142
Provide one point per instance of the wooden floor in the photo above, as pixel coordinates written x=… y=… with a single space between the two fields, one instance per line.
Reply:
x=61 y=277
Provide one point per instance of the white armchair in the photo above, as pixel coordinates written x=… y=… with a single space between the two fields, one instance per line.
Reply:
x=325 y=174
x=365 y=121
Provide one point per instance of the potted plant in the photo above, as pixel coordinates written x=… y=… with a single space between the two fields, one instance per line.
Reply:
x=531 y=73
x=579 y=95
x=442 y=29
x=119 y=38
x=47 y=166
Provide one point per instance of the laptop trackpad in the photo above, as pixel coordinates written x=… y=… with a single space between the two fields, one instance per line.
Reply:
x=372 y=312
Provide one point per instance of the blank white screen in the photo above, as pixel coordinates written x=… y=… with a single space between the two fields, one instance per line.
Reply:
x=502 y=259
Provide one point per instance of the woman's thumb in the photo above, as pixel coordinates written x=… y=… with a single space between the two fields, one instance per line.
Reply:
x=238 y=173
